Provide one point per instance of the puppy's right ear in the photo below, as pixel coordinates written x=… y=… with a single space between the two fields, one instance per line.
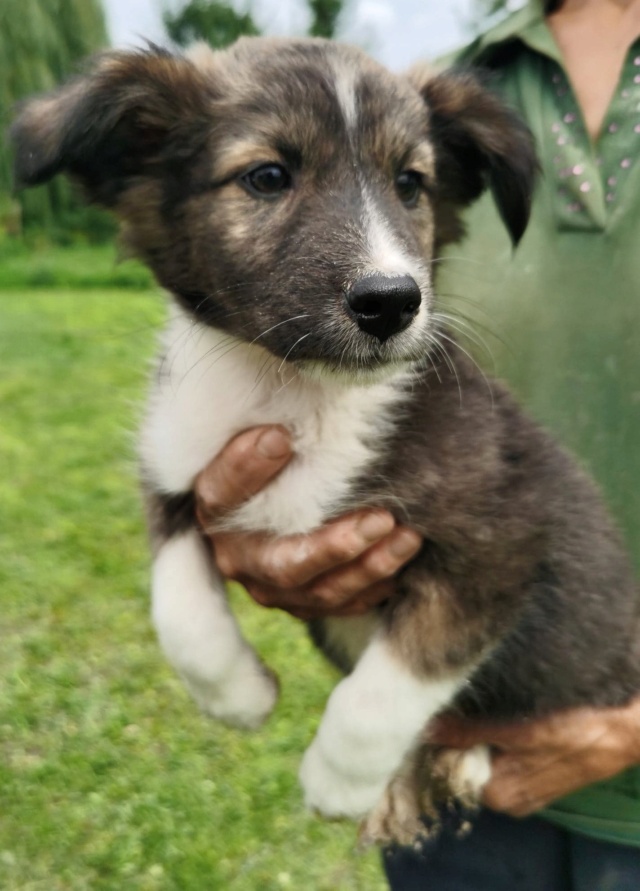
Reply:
x=116 y=122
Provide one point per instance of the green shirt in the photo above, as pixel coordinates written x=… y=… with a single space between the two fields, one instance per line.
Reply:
x=560 y=317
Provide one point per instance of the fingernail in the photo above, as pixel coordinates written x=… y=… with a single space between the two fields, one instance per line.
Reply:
x=375 y=525
x=273 y=443
x=405 y=544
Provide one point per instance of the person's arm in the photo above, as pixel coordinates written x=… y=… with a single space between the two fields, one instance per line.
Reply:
x=536 y=762
x=342 y=569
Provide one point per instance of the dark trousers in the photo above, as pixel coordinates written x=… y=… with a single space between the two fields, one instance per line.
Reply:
x=503 y=854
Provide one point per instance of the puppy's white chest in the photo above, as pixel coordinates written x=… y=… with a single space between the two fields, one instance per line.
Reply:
x=208 y=390
x=334 y=441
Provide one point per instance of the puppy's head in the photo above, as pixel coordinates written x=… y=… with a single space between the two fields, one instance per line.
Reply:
x=291 y=192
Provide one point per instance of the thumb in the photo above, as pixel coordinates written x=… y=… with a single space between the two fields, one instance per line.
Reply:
x=243 y=467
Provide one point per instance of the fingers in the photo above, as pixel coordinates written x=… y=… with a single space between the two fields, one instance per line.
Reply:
x=343 y=569
x=538 y=761
x=520 y=785
x=245 y=465
x=377 y=564
x=459 y=733
x=509 y=790
x=295 y=560
x=305 y=605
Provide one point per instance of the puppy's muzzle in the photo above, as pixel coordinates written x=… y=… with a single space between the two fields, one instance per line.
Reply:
x=383 y=305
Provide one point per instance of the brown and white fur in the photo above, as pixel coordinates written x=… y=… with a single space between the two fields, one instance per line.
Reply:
x=283 y=192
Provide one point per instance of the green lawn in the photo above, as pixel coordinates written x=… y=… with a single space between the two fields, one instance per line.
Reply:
x=109 y=776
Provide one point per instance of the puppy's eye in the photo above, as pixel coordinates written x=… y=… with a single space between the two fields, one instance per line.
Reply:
x=409 y=184
x=266 y=181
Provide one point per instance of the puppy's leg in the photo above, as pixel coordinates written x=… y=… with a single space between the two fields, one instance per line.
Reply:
x=373 y=719
x=200 y=637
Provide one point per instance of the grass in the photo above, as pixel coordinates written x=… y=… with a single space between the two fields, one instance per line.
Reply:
x=110 y=777
x=36 y=264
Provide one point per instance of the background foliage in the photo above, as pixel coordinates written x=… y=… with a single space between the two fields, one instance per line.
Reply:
x=41 y=43
x=216 y=23
x=220 y=24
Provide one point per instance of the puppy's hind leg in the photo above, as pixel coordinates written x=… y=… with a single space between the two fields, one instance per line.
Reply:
x=201 y=638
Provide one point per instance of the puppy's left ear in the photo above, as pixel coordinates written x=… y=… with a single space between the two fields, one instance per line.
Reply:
x=480 y=143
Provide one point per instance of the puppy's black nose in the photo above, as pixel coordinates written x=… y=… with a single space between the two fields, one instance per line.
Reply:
x=383 y=305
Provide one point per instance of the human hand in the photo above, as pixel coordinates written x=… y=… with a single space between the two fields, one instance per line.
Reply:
x=536 y=762
x=342 y=569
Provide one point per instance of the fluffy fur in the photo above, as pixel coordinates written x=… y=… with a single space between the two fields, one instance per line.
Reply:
x=286 y=193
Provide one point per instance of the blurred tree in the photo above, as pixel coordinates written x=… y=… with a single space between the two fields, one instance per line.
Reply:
x=219 y=24
x=41 y=42
x=325 y=17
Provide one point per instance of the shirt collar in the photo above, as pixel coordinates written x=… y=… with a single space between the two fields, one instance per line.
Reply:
x=527 y=25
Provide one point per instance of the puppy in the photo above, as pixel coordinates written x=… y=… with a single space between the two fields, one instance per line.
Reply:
x=292 y=196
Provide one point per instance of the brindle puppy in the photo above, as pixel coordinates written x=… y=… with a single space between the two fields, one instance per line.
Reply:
x=292 y=195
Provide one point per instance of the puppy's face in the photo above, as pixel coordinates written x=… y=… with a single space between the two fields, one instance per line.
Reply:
x=291 y=193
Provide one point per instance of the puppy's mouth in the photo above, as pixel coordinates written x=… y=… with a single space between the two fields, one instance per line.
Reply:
x=363 y=341
x=350 y=354
x=379 y=325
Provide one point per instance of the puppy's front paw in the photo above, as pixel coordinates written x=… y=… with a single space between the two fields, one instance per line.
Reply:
x=331 y=791
x=244 y=698
x=396 y=818
x=461 y=775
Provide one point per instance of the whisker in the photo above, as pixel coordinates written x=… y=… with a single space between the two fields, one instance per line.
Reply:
x=473 y=361
x=277 y=325
x=466 y=330
x=290 y=350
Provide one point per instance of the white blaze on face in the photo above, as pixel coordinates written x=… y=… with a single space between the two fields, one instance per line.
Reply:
x=345 y=77
x=388 y=257
x=383 y=252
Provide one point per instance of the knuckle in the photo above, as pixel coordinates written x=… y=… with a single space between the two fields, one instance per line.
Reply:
x=225 y=562
x=326 y=595
x=286 y=562
x=379 y=564
x=277 y=573
x=502 y=799
x=209 y=489
x=286 y=580
x=340 y=550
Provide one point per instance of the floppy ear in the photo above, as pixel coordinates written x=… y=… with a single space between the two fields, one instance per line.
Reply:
x=480 y=143
x=117 y=121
